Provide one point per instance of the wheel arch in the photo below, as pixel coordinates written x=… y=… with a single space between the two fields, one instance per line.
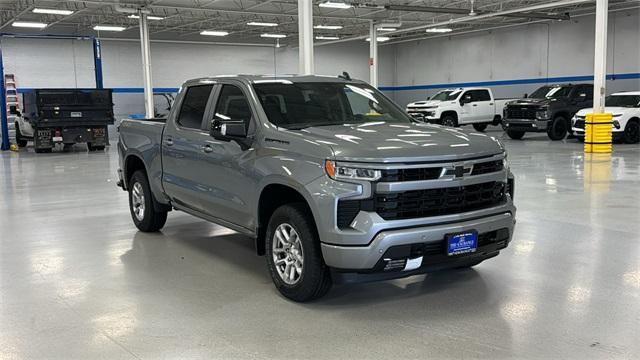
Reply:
x=272 y=196
x=132 y=163
x=449 y=112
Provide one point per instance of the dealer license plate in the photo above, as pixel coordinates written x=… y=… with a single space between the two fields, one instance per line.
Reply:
x=76 y=114
x=462 y=243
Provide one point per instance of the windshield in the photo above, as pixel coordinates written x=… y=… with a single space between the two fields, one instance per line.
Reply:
x=551 y=92
x=623 y=100
x=446 y=95
x=301 y=105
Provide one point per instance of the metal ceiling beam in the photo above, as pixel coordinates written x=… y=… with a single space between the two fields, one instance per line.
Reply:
x=460 y=11
x=12 y=19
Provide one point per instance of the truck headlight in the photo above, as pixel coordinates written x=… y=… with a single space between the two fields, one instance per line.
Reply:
x=542 y=114
x=339 y=172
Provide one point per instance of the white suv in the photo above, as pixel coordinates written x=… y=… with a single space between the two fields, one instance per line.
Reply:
x=625 y=107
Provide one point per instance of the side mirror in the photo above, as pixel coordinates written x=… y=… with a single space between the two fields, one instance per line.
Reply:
x=526 y=95
x=13 y=110
x=465 y=100
x=228 y=130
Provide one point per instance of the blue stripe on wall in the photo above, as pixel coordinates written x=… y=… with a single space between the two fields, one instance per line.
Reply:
x=510 y=82
x=560 y=79
x=131 y=90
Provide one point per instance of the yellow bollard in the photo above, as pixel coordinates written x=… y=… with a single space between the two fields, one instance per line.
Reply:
x=13 y=147
x=597 y=133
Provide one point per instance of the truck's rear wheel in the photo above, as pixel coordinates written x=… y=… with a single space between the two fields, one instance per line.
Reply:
x=294 y=256
x=558 y=129
x=481 y=127
x=515 y=134
x=20 y=141
x=144 y=215
x=92 y=147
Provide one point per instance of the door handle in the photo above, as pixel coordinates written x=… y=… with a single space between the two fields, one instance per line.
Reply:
x=475 y=104
x=490 y=103
x=207 y=148
x=168 y=141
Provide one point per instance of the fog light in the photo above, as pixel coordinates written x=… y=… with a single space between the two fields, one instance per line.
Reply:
x=616 y=123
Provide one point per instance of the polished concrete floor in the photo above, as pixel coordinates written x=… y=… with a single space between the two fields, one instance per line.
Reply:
x=78 y=281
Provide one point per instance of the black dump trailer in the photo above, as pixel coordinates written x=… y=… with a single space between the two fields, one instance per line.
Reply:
x=69 y=116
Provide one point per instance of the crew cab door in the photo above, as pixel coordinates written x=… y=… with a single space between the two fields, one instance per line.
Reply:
x=227 y=170
x=182 y=152
x=581 y=97
x=482 y=106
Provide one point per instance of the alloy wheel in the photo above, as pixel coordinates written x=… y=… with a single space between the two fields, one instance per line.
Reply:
x=137 y=201
x=287 y=253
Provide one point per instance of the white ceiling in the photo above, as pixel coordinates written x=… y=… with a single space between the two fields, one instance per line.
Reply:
x=185 y=19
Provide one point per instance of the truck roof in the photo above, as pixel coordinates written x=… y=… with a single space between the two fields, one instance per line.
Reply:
x=276 y=78
x=626 y=93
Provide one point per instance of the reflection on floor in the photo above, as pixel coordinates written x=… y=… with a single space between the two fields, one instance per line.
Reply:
x=78 y=281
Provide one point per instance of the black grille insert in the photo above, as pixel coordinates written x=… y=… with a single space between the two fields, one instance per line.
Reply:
x=521 y=113
x=487 y=167
x=416 y=174
x=436 y=202
x=579 y=124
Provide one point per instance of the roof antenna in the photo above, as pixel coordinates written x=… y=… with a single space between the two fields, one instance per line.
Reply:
x=345 y=75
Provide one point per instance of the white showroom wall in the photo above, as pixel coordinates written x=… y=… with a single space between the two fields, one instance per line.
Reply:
x=556 y=49
x=69 y=63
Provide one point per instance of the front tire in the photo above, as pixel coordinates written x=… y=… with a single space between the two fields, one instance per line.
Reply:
x=20 y=141
x=144 y=215
x=515 y=135
x=632 y=132
x=481 y=127
x=294 y=256
x=558 y=129
x=449 y=120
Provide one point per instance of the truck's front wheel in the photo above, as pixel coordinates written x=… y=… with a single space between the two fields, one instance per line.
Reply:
x=515 y=134
x=144 y=215
x=557 y=129
x=294 y=256
x=449 y=120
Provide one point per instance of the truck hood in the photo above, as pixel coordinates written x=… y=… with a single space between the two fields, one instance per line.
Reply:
x=425 y=103
x=386 y=143
x=532 y=102
x=608 y=109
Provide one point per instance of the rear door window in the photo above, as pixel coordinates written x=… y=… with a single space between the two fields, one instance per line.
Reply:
x=193 y=106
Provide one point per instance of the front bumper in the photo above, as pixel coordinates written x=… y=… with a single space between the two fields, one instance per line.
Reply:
x=366 y=259
x=527 y=125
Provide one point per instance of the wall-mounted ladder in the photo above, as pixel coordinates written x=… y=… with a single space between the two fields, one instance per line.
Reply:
x=13 y=99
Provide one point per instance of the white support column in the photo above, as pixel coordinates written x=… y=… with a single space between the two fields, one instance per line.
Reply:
x=305 y=37
x=145 y=46
x=373 y=55
x=600 y=59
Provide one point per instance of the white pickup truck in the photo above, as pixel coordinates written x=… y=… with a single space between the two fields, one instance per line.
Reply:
x=462 y=106
x=625 y=108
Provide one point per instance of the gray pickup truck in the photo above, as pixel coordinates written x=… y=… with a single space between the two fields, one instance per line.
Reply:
x=334 y=181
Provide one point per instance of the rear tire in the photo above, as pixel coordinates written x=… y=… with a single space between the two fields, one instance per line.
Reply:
x=558 y=129
x=20 y=141
x=480 y=127
x=449 y=120
x=95 y=148
x=144 y=215
x=632 y=132
x=43 y=151
x=515 y=134
x=294 y=256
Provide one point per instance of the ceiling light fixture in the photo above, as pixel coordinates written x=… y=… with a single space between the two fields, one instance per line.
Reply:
x=52 y=11
x=274 y=36
x=387 y=29
x=439 y=30
x=335 y=5
x=381 y=38
x=109 y=28
x=257 y=23
x=150 y=17
x=29 y=24
x=214 y=33
x=328 y=27
x=321 y=37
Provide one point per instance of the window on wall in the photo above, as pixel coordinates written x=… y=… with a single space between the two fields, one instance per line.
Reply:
x=193 y=106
